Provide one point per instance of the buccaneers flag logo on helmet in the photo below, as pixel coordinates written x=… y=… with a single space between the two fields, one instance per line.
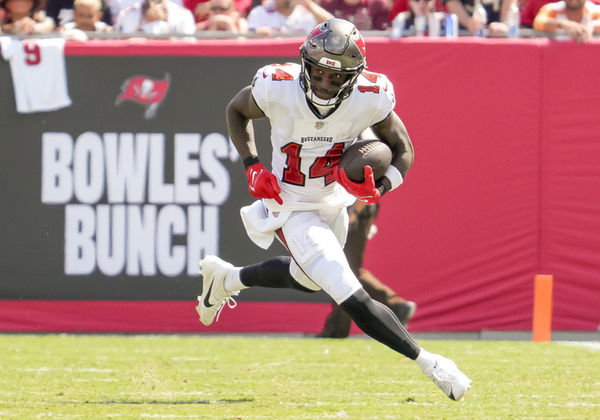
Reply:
x=146 y=91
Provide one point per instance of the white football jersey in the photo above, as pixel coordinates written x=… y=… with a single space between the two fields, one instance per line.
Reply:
x=38 y=73
x=302 y=142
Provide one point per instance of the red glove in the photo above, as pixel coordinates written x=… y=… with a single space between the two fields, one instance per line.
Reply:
x=262 y=183
x=365 y=191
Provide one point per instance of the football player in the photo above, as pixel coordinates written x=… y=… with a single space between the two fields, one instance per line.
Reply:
x=316 y=109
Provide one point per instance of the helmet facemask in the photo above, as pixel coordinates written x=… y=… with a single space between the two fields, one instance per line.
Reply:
x=338 y=93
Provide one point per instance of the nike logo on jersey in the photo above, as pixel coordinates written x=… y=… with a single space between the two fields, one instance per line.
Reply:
x=206 y=300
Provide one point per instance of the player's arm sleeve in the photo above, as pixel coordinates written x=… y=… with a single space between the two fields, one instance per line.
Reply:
x=390 y=128
x=386 y=100
x=260 y=88
x=240 y=112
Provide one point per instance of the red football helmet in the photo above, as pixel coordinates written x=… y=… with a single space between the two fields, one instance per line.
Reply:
x=334 y=45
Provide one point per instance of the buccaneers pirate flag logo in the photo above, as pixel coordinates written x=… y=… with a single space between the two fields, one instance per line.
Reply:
x=146 y=91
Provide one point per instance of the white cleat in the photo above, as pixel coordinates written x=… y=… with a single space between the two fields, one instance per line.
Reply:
x=445 y=374
x=214 y=296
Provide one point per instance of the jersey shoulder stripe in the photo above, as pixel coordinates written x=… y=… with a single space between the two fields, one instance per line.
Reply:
x=271 y=81
x=376 y=86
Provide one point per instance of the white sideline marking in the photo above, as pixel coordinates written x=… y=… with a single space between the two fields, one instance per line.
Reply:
x=575 y=404
x=591 y=345
x=163 y=394
x=52 y=369
x=340 y=415
x=169 y=416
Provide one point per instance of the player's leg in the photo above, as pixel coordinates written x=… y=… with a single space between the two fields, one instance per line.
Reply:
x=215 y=273
x=222 y=280
x=274 y=273
x=337 y=323
x=378 y=321
x=315 y=244
x=379 y=291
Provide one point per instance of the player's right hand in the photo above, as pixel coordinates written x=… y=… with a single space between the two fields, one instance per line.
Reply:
x=262 y=183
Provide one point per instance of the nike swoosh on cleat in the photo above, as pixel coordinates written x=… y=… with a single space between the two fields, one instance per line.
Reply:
x=206 y=301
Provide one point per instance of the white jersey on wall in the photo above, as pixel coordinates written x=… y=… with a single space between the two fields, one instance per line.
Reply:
x=302 y=141
x=38 y=73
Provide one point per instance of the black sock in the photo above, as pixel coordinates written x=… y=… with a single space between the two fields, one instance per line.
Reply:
x=271 y=273
x=379 y=322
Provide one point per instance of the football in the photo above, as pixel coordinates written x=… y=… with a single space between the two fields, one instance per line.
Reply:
x=361 y=153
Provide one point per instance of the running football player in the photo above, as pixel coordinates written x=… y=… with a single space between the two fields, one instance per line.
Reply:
x=316 y=109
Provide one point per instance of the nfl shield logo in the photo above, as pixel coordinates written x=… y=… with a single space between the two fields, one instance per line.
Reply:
x=319 y=125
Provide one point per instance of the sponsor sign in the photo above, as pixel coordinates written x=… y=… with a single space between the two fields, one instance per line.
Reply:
x=119 y=196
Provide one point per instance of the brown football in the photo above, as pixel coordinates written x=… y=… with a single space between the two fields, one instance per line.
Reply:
x=361 y=153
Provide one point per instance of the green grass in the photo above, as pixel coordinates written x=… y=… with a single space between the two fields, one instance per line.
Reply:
x=228 y=377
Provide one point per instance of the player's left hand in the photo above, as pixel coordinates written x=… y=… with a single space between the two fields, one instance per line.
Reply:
x=365 y=191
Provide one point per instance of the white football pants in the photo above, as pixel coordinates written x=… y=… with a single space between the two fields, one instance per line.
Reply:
x=315 y=241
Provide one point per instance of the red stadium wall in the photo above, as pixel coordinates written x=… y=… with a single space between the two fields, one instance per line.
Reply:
x=505 y=185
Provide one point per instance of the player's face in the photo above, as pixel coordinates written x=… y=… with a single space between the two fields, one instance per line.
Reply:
x=326 y=83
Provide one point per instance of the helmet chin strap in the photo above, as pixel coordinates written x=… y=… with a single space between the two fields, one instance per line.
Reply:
x=324 y=110
x=321 y=103
x=327 y=103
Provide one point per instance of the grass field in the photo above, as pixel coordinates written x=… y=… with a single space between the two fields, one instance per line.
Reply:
x=228 y=377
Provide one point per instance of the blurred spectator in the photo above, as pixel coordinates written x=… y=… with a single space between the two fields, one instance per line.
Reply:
x=222 y=16
x=529 y=9
x=156 y=17
x=61 y=11
x=25 y=17
x=578 y=18
x=495 y=9
x=399 y=6
x=116 y=6
x=286 y=16
x=417 y=8
x=86 y=18
x=200 y=8
x=367 y=15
